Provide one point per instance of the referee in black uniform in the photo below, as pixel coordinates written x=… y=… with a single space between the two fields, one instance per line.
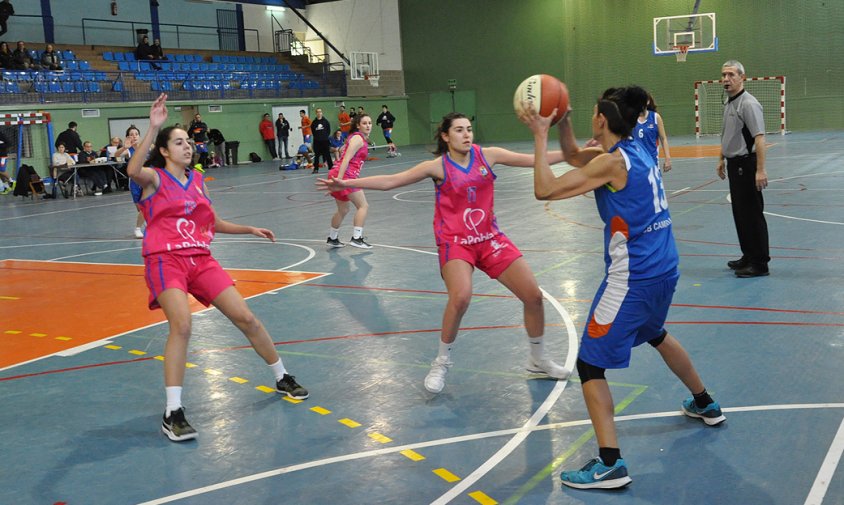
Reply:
x=322 y=147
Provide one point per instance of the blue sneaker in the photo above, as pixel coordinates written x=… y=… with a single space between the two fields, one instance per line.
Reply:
x=597 y=475
x=711 y=414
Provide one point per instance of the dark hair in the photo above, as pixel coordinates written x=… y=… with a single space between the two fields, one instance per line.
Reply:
x=302 y=111
x=385 y=106
x=156 y=159
x=72 y=124
x=132 y=127
x=445 y=124
x=62 y=144
x=651 y=103
x=621 y=107
x=356 y=122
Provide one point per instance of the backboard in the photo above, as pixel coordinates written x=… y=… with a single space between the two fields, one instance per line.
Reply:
x=697 y=31
x=362 y=65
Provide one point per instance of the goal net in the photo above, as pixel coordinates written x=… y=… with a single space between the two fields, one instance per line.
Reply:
x=710 y=98
x=28 y=141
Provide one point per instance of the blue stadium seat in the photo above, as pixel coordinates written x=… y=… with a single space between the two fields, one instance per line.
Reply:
x=92 y=87
x=179 y=57
x=117 y=86
x=119 y=57
x=79 y=87
x=70 y=64
x=130 y=56
x=67 y=87
x=68 y=55
x=123 y=66
x=108 y=56
x=84 y=65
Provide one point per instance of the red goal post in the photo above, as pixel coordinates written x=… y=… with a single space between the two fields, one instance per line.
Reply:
x=710 y=99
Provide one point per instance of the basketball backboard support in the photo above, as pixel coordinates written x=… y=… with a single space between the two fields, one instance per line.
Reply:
x=697 y=31
x=362 y=65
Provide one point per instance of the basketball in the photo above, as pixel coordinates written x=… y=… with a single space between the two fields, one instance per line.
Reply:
x=546 y=92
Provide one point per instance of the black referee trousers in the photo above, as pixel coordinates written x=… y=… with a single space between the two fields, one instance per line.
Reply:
x=748 y=206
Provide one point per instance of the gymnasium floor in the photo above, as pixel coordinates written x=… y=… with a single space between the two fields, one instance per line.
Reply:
x=81 y=377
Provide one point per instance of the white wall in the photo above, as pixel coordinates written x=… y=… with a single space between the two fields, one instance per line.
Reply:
x=351 y=25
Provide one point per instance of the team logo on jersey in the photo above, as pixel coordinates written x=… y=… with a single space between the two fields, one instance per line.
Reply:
x=472 y=218
x=484 y=171
x=471 y=194
x=190 y=206
x=187 y=229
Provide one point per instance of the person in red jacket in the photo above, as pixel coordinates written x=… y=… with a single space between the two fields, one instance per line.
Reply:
x=268 y=134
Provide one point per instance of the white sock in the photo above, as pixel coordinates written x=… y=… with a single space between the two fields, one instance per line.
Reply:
x=334 y=233
x=445 y=350
x=174 y=398
x=537 y=348
x=358 y=233
x=278 y=369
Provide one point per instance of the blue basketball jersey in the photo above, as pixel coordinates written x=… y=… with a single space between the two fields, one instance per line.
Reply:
x=638 y=241
x=647 y=134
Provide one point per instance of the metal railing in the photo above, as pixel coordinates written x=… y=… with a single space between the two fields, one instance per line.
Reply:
x=180 y=30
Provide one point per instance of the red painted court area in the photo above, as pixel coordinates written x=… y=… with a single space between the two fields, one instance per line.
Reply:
x=49 y=307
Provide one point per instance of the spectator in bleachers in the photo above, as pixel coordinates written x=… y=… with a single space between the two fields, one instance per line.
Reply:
x=157 y=51
x=50 y=59
x=70 y=139
x=5 y=56
x=345 y=122
x=198 y=132
x=282 y=132
x=21 y=60
x=268 y=134
x=144 y=52
x=6 y=11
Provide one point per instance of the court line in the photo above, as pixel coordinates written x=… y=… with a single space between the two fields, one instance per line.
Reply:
x=454 y=440
x=827 y=470
x=820 y=221
x=537 y=416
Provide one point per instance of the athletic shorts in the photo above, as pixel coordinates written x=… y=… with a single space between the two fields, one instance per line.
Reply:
x=490 y=256
x=3 y=163
x=623 y=317
x=201 y=148
x=343 y=194
x=198 y=275
x=388 y=133
x=307 y=139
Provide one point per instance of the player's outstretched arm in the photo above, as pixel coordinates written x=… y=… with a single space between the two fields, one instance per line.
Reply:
x=426 y=169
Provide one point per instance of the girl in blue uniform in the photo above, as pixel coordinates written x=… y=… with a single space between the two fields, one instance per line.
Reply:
x=650 y=132
x=641 y=267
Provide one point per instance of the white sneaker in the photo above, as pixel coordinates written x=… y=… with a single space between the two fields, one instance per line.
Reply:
x=548 y=367
x=435 y=380
x=139 y=233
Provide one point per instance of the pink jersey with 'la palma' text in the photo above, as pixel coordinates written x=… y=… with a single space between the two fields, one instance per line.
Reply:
x=463 y=212
x=179 y=217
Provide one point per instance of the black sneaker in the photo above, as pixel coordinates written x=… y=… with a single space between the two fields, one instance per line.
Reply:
x=738 y=264
x=334 y=242
x=360 y=243
x=176 y=427
x=288 y=386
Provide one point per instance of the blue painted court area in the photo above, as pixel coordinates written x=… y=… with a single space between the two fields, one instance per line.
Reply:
x=84 y=427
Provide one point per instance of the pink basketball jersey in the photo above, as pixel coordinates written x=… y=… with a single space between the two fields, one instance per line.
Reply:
x=356 y=163
x=463 y=213
x=179 y=217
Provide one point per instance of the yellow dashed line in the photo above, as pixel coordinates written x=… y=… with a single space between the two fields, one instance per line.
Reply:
x=348 y=422
x=12 y=332
x=39 y=335
x=211 y=371
x=113 y=347
x=482 y=498
x=65 y=339
x=137 y=352
x=412 y=455
x=239 y=380
x=446 y=475
x=380 y=438
x=187 y=365
x=265 y=389
x=159 y=358
x=294 y=401
x=321 y=411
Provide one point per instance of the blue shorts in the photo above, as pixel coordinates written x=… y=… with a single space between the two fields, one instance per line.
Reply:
x=201 y=148
x=388 y=134
x=136 y=191
x=623 y=317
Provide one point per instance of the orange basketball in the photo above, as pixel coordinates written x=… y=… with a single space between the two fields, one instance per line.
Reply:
x=545 y=92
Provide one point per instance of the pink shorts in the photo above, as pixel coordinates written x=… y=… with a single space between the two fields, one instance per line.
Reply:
x=342 y=195
x=490 y=256
x=199 y=275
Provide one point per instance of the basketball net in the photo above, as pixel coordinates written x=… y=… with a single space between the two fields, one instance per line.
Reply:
x=373 y=80
x=681 y=53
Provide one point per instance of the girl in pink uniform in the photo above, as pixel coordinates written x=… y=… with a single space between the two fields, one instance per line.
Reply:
x=468 y=236
x=180 y=227
x=353 y=154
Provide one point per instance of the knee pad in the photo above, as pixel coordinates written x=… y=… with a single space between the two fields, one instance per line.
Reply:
x=588 y=372
x=658 y=340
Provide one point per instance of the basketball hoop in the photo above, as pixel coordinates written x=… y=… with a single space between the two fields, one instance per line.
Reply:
x=373 y=79
x=681 y=53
